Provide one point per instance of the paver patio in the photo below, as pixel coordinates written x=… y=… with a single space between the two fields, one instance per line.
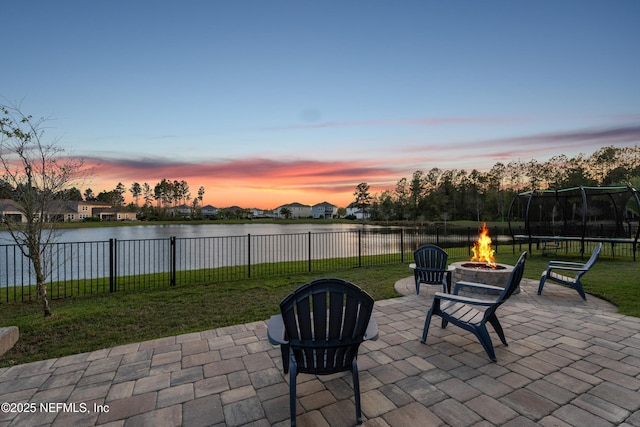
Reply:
x=569 y=363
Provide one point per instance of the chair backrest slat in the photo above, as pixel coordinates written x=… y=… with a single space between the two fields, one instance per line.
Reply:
x=335 y=317
x=319 y=316
x=304 y=331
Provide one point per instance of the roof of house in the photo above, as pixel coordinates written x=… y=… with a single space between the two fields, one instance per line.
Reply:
x=61 y=207
x=182 y=206
x=9 y=204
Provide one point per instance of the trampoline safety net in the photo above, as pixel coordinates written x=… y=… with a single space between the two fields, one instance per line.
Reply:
x=579 y=212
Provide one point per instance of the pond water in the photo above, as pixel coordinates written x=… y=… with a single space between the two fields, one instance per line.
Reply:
x=164 y=231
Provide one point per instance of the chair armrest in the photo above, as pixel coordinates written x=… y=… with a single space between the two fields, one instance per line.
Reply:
x=565 y=264
x=566 y=268
x=372 y=330
x=465 y=300
x=474 y=285
x=276 y=331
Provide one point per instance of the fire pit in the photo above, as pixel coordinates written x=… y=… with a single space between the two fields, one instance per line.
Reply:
x=481 y=273
x=482 y=268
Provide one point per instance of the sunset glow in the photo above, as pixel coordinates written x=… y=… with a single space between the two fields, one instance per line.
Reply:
x=265 y=183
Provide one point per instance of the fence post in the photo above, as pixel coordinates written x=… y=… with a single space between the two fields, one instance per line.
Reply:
x=402 y=245
x=468 y=240
x=172 y=255
x=309 y=244
x=437 y=235
x=112 y=265
x=359 y=248
x=249 y=255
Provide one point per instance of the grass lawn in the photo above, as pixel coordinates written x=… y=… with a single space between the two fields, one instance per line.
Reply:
x=82 y=324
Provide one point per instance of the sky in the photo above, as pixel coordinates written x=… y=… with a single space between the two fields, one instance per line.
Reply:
x=265 y=103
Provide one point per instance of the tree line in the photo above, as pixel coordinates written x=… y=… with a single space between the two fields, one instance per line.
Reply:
x=457 y=194
x=149 y=202
x=166 y=193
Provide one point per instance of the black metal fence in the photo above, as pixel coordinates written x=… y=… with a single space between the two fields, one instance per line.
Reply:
x=85 y=268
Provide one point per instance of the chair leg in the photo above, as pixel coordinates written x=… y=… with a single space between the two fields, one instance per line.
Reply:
x=293 y=372
x=543 y=279
x=356 y=390
x=578 y=287
x=498 y=328
x=427 y=321
x=485 y=340
x=284 y=350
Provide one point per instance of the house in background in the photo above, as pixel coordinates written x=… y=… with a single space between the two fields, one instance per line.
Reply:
x=182 y=211
x=297 y=210
x=86 y=209
x=69 y=211
x=209 y=212
x=324 y=210
x=256 y=213
x=357 y=212
x=115 y=214
x=269 y=213
x=62 y=211
x=74 y=210
x=188 y=211
x=10 y=211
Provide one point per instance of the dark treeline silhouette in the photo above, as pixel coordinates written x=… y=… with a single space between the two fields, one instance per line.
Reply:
x=449 y=195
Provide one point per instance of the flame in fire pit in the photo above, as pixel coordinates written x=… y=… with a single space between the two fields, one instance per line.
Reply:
x=482 y=251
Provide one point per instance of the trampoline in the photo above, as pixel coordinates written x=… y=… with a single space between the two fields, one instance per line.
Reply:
x=584 y=214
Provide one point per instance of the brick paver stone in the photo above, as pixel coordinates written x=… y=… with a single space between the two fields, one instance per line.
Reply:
x=407 y=416
x=169 y=417
x=579 y=417
x=202 y=412
x=491 y=409
x=125 y=408
x=243 y=412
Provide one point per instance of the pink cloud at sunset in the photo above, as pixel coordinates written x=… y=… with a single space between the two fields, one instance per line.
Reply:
x=250 y=182
x=477 y=154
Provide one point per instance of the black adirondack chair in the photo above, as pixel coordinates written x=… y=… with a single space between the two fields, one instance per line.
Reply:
x=320 y=330
x=569 y=273
x=430 y=267
x=472 y=314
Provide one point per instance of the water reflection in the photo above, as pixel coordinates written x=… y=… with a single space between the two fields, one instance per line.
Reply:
x=163 y=231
